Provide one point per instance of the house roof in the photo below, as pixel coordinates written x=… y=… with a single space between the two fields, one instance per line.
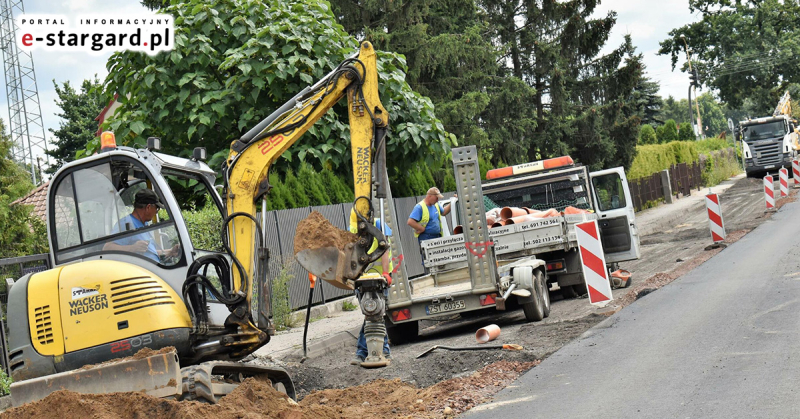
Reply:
x=38 y=199
x=106 y=112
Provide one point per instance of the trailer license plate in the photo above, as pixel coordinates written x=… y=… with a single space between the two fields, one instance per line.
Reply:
x=448 y=306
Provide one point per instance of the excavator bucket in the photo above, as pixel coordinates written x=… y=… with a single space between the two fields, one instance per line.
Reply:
x=328 y=263
x=339 y=267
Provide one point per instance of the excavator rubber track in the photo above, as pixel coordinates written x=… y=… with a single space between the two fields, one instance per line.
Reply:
x=210 y=381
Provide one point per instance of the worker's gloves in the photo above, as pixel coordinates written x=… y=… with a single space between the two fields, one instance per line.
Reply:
x=388 y=278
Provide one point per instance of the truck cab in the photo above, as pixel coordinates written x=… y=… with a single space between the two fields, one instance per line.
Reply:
x=768 y=144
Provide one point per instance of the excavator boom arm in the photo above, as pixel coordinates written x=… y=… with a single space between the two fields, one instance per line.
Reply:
x=246 y=174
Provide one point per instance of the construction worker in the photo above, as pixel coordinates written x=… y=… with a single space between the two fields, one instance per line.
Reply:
x=384 y=269
x=426 y=217
x=145 y=206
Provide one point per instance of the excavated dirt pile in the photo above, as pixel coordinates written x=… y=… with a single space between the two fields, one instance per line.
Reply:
x=255 y=399
x=315 y=232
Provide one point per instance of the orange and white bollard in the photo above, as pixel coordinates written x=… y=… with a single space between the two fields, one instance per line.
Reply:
x=784 y=178
x=715 y=221
x=796 y=172
x=769 y=192
x=593 y=261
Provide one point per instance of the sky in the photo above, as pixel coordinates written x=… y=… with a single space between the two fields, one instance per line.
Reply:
x=647 y=21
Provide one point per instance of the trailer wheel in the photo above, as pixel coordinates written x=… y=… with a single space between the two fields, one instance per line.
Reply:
x=579 y=290
x=568 y=292
x=542 y=284
x=403 y=332
x=535 y=310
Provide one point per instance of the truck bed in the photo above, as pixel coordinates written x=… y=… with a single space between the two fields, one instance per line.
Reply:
x=530 y=238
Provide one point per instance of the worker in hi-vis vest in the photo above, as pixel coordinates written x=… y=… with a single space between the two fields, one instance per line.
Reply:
x=426 y=217
x=384 y=269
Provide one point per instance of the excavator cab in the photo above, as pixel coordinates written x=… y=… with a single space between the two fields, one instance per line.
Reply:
x=106 y=298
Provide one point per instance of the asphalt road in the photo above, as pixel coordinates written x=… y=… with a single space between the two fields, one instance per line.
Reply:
x=720 y=342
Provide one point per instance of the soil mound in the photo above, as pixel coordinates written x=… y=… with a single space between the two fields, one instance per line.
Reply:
x=316 y=232
x=256 y=399
x=253 y=399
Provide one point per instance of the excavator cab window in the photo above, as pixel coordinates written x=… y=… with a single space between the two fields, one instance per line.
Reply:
x=200 y=210
x=202 y=214
x=93 y=214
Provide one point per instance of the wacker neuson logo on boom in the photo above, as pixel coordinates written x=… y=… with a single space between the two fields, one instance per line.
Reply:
x=97 y=34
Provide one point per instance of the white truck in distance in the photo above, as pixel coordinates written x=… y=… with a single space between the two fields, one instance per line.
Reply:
x=483 y=266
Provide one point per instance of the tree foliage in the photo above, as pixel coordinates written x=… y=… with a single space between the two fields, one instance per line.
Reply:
x=236 y=61
x=78 y=112
x=521 y=80
x=647 y=135
x=685 y=133
x=713 y=113
x=451 y=59
x=746 y=49
x=22 y=234
x=647 y=101
x=668 y=132
x=581 y=100
x=677 y=110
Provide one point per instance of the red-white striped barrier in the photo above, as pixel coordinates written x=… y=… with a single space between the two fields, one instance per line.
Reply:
x=715 y=221
x=769 y=192
x=593 y=261
x=796 y=172
x=784 y=177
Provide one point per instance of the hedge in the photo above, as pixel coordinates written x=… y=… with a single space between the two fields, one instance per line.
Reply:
x=657 y=157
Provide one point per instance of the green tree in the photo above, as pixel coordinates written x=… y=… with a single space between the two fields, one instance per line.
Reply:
x=745 y=49
x=713 y=113
x=78 y=125
x=581 y=98
x=451 y=59
x=235 y=62
x=685 y=133
x=648 y=102
x=669 y=132
x=647 y=135
x=22 y=234
x=677 y=110
x=313 y=186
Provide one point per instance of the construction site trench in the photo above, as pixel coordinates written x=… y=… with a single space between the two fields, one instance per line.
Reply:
x=674 y=238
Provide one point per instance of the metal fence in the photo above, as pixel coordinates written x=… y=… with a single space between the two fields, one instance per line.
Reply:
x=281 y=227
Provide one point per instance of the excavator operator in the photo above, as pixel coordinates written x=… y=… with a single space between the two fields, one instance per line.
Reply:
x=145 y=207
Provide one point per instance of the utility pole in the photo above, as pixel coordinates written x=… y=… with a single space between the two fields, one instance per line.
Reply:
x=25 y=112
x=694 y=82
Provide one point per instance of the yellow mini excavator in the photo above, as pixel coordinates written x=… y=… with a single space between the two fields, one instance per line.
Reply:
x=128 y=274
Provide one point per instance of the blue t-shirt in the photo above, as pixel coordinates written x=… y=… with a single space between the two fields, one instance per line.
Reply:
x=134 y=222
x=432 y=228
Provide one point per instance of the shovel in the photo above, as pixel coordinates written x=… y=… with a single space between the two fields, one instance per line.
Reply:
x=508 y=346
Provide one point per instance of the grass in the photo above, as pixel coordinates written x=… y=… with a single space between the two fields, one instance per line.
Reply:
x=281 y=309
x=5 y=383
x=348 y=306
x=719 y=169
